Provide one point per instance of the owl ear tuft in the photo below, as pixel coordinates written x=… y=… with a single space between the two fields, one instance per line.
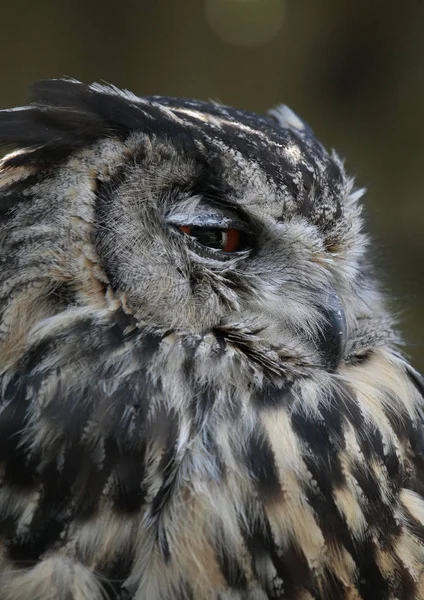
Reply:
x=66 y=115
x=287 y=118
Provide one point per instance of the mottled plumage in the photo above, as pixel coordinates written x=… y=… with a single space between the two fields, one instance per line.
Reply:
x=186 y=415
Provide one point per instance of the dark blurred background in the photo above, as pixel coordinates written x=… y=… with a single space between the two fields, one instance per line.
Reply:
x=354 y=69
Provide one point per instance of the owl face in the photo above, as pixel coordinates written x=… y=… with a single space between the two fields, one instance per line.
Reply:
x=190 y=215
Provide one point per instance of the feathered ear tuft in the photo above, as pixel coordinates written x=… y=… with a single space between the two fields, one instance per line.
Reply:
x=288 y=118
x=64 y=116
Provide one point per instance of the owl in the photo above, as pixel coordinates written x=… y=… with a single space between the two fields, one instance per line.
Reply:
x=201 y=392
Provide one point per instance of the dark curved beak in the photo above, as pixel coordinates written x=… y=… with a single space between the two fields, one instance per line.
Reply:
x=333 y=336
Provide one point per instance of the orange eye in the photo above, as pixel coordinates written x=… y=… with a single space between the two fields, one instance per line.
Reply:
x=232 y=240
x=226 y=240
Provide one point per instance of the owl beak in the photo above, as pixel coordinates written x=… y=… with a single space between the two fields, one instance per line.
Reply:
x=333 y=335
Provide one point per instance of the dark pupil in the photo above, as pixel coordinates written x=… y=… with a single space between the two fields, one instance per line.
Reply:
x=212 y=238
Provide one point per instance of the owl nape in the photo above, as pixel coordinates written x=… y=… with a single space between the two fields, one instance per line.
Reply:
x=201 y=391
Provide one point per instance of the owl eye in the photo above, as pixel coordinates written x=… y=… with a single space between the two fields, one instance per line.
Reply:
x=226 y=240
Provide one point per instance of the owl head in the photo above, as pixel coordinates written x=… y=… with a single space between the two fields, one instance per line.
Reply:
x=184 y=215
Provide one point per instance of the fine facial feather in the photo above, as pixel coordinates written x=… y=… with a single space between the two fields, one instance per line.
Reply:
x=179 y=423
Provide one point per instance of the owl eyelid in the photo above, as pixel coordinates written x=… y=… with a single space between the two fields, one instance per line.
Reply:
x=209 y=221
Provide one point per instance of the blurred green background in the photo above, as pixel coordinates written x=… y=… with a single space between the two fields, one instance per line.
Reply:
x=354 y=69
